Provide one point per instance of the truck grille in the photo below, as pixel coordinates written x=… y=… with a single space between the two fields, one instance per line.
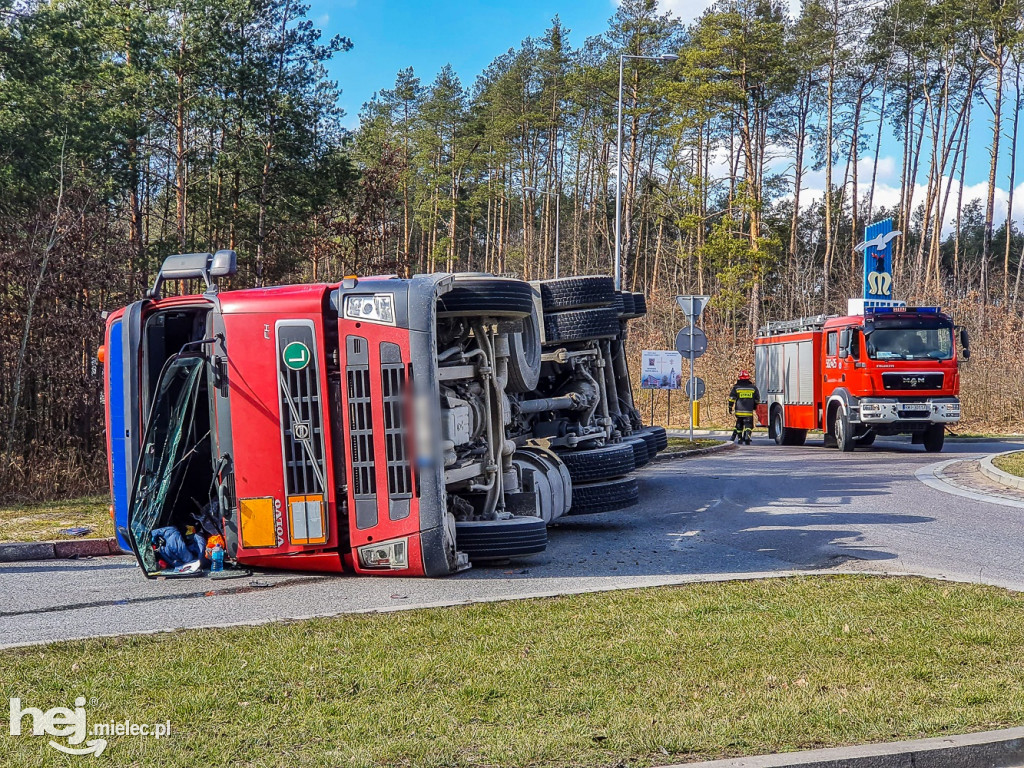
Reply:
x=393 y=390
x=905 y=381
x=360 y=431
x=301 y=413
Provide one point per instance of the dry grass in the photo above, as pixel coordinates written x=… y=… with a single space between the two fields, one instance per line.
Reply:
x=45 y=521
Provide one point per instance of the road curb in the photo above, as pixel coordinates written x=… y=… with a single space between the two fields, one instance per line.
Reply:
x=988 y=749
x=996 y=475
x=694 y=452
x=58 y=550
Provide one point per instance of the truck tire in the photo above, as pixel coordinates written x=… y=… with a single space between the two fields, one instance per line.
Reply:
x=581 y=325
x=786 y=435
x=606 y=496
x=660 y=436
x=501 y=539
x=577 y=293
x=628 y=305
x=587 y=466
x=524 y=356
x=639 y=304
x=843 y=432
x=485 y=295
x=934 y=437
x=641 y=456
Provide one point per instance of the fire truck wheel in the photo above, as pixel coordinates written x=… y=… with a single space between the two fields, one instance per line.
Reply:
x=501 y=539
x=641 y=456
x=524 y=358
x=587 y=466
x=934 y=437
x=639 y=304
x=492 y=296
x=581 y=325
x=606 y=496
x=628 y=305
x=844 y=434
x=577 y=292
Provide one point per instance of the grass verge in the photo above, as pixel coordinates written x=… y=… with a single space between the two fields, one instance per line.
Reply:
x=641 y=677
x=676 y=444
x=46 y=520
x=1011 y=462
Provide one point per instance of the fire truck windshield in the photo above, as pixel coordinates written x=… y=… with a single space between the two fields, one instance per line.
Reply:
x=916 y=340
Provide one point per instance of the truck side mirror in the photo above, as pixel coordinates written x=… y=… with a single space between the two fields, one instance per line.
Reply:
x=965 y=344
x=844 y=343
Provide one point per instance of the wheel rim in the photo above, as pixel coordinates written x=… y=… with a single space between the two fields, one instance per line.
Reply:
x=778 y=427
x=840 y=430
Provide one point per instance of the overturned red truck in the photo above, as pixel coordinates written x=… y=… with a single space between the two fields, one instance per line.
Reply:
x=380 y=425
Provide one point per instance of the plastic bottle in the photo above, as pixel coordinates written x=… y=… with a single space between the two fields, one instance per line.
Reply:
x=217 y=558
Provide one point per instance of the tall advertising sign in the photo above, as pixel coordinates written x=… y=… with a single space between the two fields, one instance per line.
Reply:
x=877 y=247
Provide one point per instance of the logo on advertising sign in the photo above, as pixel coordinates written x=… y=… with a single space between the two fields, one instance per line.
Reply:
x=877 y=247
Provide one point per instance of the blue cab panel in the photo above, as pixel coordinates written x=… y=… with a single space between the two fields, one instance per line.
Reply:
x=121 y=482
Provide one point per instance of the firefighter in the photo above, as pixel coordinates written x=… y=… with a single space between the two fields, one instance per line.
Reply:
x=744 y=398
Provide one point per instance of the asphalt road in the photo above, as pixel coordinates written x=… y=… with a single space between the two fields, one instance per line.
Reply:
x=759 y=510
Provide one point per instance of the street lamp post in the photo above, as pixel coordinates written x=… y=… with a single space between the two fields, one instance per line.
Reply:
x=558 y=215
x=618 y=165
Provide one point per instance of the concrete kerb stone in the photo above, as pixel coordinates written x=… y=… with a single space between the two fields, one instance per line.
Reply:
x=989 y=749
x=996 y=475
x=58 y=550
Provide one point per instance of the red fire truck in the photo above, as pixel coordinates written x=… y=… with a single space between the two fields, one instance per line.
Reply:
x=883 y=369
x=379 y=425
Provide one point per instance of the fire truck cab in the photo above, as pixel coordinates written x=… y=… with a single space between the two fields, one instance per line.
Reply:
x=883 y=369
x=380 y=425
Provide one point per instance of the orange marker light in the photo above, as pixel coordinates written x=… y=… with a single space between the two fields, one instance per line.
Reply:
x=101 y=353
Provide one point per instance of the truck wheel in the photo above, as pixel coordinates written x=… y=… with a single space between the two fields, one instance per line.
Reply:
x=581 y=325
x=934 y=437
x=606 y=496
x=841 y=429
x=639 y=304
x=778 y=431
x=628 y=305
x=656 y=437
x=491 y=296
x=641 y=456
x=501 y=539
x=610 y=461
x=524 y=356
x=577 y=292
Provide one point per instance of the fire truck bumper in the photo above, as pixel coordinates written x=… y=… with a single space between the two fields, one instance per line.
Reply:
x=939 y=410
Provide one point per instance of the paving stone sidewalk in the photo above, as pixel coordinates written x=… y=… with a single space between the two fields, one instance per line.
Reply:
x=968 y=476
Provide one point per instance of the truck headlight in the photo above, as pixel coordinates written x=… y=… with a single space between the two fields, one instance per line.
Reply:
x=371 y=308
x=386 y=556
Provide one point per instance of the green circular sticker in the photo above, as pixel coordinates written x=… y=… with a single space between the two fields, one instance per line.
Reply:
x=296 y=355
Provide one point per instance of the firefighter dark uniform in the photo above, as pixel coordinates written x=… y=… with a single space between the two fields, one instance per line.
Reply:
x=743 y=398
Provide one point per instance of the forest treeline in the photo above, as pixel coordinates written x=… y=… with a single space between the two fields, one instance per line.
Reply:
x=129 y=131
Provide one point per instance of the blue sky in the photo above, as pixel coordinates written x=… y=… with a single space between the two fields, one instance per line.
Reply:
x=389 y=35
